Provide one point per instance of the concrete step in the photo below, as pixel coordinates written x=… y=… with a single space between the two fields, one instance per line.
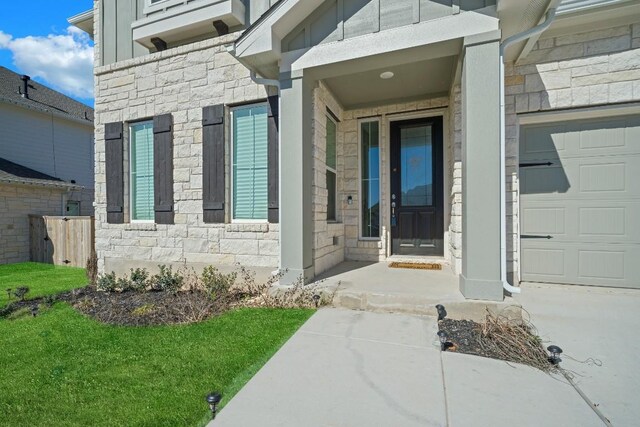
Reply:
x=424 y=305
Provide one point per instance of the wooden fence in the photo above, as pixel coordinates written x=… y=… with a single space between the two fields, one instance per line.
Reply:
x=61 y=240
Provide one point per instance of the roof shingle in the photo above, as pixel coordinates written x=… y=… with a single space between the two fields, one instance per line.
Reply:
x=41 y=97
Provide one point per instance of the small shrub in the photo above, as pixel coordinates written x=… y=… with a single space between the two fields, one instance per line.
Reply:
x=123 y=284
x=138 y=279
x=21 y=292
x=92 y=268
x=107 y=282
x=166 y=280
x=143 y=310
x=217 y=284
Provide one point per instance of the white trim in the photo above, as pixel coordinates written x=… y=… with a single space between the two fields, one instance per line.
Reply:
x=579 y=113
x=380 y=148
x=446 y=170
x=238 y=220
x=334 y=170
x=150 y=7
x=131 y=220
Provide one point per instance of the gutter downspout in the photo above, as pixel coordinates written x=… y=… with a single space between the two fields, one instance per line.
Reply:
x=276 y=84
x=551 y=13
x=263 y=81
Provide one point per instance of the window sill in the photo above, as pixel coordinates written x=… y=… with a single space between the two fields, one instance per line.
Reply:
x=141 y=226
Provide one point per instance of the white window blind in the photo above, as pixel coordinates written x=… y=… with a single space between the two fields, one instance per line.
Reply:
x=141 y=135
x=250 y=168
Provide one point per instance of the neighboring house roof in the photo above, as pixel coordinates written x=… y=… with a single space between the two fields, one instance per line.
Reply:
x=13 y=173
x=41 y=97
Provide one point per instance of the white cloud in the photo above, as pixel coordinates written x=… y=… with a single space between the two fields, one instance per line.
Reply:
x=64 y=61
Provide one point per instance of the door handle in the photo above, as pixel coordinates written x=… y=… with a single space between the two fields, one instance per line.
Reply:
x=533 y=236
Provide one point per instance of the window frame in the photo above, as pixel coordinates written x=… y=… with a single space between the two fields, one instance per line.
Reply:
x=361 y=235
x=232 y=110
x=330 y=117
x=130 y=159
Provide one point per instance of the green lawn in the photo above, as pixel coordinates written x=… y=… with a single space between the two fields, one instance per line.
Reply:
x=62 y=368
x=42 y=279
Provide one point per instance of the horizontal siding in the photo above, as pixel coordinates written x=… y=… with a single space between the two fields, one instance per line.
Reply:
x=29 y=138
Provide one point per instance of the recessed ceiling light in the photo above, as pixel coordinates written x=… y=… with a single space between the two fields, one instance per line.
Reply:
x=387 y=75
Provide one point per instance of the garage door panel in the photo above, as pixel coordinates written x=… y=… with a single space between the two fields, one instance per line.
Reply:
x=595 y=221
x=602 y=137
x=577 y=263
x=587 y=202
x=610 y=177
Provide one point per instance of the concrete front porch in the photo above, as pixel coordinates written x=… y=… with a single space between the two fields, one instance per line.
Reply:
x=376 y=287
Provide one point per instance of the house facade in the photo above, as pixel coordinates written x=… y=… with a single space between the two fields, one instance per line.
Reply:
x=46 y=159
x=300 y=134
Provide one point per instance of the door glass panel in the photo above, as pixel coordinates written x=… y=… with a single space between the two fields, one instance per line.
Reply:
x=370 y=178
x=416 y=166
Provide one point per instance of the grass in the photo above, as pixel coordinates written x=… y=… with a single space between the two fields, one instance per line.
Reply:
x=42 y=279
x=64 y=369
x=61 y=368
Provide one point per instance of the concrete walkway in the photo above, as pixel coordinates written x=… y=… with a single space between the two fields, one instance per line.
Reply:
x=354 y=368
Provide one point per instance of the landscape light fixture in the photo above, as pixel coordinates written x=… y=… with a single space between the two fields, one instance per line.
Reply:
x=34 y=310
x=442 y=335
x=442 y=313
x=555 y=352
x=316 y=299
x=213 y=399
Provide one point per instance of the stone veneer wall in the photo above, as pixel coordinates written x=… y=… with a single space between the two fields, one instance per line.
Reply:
x=180 y=81
x=376 y=250
x=583 y=69
x=455 y=190
x=17 y=202
x=328 y=237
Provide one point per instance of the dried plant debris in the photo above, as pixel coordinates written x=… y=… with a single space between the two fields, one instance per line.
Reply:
x=499 y=336
x=179 y=297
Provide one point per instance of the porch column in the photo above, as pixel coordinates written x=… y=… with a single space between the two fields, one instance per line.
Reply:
x=480 y=278
x=295 y=177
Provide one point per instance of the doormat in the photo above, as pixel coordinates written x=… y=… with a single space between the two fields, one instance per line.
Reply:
x=417 y=265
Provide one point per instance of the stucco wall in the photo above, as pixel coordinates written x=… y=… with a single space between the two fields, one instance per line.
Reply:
x=179 y=81
x=17 y=202
x=580 y=69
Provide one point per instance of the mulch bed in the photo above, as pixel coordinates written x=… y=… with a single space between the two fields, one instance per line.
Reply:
x=465 y=337
x=129 y=308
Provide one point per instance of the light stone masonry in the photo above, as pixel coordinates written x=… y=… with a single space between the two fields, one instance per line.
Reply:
x=585 y=69
x=180 y=81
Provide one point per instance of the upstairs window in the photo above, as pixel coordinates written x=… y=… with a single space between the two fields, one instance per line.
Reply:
x=250 y=163
x=141 y=149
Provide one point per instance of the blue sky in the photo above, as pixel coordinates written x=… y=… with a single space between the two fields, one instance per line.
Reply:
x=35 y=39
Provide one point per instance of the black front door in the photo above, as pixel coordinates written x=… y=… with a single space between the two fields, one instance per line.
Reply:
x=417 y=224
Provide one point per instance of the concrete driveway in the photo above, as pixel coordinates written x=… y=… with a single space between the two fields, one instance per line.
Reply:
x=355 y=368
x=597 y=323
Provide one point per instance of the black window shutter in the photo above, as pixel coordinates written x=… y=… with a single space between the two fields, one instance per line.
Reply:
x=213 y=164
x=273 y=140
x=114 y=172
x=163 y=168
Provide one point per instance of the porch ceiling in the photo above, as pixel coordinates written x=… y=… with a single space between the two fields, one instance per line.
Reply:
x=410 y=81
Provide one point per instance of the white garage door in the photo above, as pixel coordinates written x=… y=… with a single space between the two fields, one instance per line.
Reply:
x=580 y=202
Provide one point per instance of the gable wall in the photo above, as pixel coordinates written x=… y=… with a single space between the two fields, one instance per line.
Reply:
x=342 y=19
